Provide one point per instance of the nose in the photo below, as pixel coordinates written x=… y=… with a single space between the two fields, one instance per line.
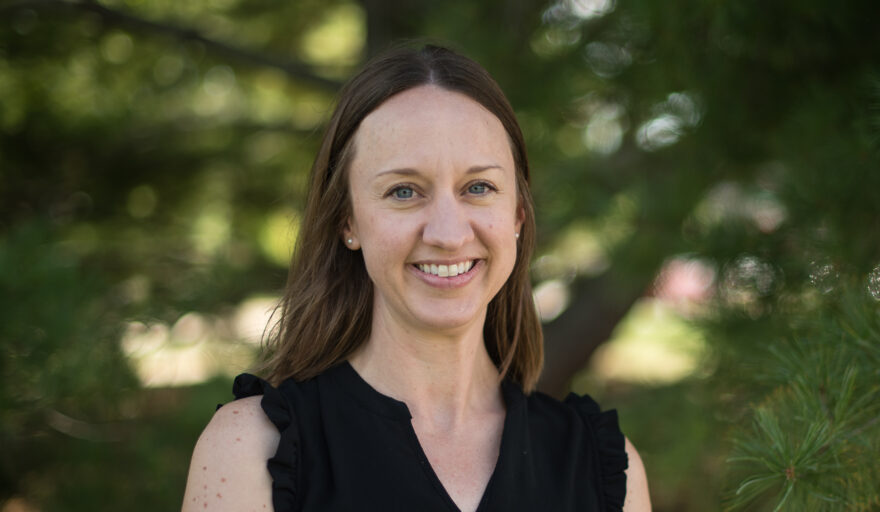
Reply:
x=448 y=224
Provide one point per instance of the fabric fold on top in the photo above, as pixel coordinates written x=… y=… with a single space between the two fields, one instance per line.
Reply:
x=284 y=466
x=612 y=460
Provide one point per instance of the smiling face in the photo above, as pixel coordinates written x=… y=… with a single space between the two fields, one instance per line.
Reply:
x=434 y=208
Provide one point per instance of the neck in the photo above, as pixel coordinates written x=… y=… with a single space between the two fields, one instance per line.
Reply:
x=443 y=378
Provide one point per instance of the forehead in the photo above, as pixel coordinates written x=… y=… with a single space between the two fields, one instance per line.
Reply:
x=429 y=125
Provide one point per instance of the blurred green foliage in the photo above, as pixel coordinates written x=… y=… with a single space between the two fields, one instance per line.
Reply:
x=59 y=356
x=153 y=157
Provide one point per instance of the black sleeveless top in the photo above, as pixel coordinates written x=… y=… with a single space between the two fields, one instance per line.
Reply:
x=344 y=446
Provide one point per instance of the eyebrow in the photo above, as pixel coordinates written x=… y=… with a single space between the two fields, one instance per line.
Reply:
x=407 y=171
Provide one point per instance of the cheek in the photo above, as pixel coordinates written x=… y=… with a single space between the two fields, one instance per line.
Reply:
x=381 y=231
x=502 y=228
x=385 y=243
x=497 y=234
x=499 y=221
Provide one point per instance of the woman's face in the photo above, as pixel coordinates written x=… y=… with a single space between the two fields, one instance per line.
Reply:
x=434 y=208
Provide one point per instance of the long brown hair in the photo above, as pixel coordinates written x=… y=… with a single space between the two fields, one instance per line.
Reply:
x=326 y=311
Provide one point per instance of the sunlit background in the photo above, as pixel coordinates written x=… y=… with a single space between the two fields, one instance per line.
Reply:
x=707 y=200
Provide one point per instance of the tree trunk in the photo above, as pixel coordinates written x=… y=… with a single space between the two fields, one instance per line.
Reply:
x=597 y=307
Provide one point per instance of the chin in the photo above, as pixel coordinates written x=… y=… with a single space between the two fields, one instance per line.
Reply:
x=450 y=321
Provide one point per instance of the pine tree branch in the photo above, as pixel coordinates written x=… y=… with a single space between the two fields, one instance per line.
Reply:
x=866 y=426
x=293 y=69
x=823 y=403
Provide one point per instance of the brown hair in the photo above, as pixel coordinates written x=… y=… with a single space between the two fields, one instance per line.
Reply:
x=326 y=311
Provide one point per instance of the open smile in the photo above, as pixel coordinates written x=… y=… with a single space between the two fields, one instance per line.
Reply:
x=447 y=275
x=445 y=270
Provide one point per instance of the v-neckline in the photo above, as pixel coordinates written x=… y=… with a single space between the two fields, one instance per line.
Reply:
x=391 y=407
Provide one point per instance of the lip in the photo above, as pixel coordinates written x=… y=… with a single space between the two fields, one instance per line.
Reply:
x=447 y=282
x=443 y=262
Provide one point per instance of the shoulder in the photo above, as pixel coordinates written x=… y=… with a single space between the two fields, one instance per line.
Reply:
x=581 y=409
x=228 y=467
x=637 y=496
x=544 y=406
x=621 y=473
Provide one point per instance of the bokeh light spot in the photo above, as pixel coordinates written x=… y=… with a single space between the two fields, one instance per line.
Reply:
x=339 y=39
x=651 y=345
x=278 y=235
x=142 y=201
x=116 y=47
x=551 y=299
x=604 y=132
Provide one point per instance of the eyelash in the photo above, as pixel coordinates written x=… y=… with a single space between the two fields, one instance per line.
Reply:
x=489 y=186
x=406 y=186
x=391 y=193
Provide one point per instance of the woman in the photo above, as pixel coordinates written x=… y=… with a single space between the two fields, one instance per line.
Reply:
x=408 y=345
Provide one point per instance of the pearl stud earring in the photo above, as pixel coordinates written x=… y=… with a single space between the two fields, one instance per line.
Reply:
x=517 y=235
x=349 y=241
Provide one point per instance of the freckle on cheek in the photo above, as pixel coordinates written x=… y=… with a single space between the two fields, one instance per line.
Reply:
x=238 y=439
x=222 y=479
x=234 y=412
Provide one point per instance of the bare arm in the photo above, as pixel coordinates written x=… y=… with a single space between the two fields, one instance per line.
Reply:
x=228 y=468
x=637 y=497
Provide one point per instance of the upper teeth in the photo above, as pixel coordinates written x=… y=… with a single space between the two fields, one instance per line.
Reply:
x=446 y=270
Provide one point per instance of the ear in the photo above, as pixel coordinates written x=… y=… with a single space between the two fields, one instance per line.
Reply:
x=520 y=218
x=349 y=235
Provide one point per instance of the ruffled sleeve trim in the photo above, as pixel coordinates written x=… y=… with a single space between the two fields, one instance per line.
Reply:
x=284 y=466
x=611 y=447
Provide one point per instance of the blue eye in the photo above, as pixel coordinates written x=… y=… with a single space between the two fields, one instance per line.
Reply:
x=402 y=193
x=478 y=189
